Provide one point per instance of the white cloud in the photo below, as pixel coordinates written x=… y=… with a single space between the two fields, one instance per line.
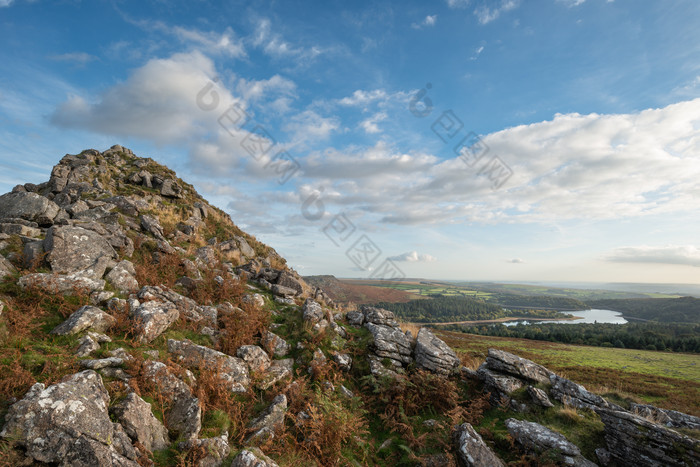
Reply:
x=225 y=43
x=671 y=254
x=428 y=21
x=157 y=102
x=413 y=257
x=4 y=3
x=274 y=45
x=370 y=124
x=361 y=98
x=457 y=3
x=516 y=261
x=477 y=52
x=573 y=3
x=487 y=14
x=310 y=126
x=79 y=58
x=255 y=89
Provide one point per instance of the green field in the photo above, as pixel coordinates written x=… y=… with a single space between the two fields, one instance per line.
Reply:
x=670 y=380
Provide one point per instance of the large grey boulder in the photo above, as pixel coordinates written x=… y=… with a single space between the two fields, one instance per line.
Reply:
x=272 y=418
x=245 y=247
x=254 y=357
x=68 y=424
x=634 y=440
x=232 y=371
x=6 y=268
x=504 y=362
x=537 y=438
x=70 y=284
x=136 y=417
x=312 y=311
x=498 y=384
x=274 y=344
x=151 y=319
x=390 y=342
x=86 y=317
x=378 y=316
x=432 y=354
x=28 y=206
x=188 y=308
x=215 y=450
x=573 y=394
x=252 y=457
x=76 y=250
x=123 y=277
x=669 y=418
x=184 y=414
x=152 y=226
x=471 y=449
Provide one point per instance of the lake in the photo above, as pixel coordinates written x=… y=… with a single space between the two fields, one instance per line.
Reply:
x=588 y=316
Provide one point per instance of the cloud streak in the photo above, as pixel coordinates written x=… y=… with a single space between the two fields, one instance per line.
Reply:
x=688 y=255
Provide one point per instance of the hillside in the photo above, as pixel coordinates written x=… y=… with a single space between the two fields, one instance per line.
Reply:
x=140 y=326
x=349 y=291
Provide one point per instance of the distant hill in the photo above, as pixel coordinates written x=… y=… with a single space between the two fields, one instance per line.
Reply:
x=663 y=310
x=345 y=291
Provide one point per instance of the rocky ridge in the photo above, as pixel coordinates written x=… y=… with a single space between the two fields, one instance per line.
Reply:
x=183 y=340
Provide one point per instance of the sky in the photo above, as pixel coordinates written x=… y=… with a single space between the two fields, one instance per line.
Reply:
x=513 y=140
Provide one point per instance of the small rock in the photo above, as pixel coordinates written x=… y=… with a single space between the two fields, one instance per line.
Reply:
x=252 y=457
x=86 y=317
x=275 y=345
x=136 y=416
x=472 y=451
x=151 y=319
x=539 y=397
x=256 y=358
x=270 y=420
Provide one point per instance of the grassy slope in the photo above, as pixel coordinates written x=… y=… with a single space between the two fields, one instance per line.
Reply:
x=669 y=380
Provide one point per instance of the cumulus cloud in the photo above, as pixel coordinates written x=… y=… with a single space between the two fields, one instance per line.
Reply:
x=157 y=102
x=428 y=21
x=413 y=257
x=688 y=255
x=485 y=14
x=370 y=124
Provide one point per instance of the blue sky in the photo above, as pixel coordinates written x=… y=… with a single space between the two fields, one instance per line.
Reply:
x=463 y=139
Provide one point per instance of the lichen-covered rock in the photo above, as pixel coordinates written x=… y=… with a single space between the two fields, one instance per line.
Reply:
x=86 y=317
x=432 y=354
x=498 y=384
x=283 y=291
x=278 y=371
x=505 y=362
x=669 y=418
x=634 y=440
x=123 y=277
x=212 y=451
x=77 y=250
x=573 y=394
x=254 y=357
x=343 y=360
x=355 y=318
x=264 y=426
x=6 y=268
x=151 y=319
x=252 y=457
x=61 y=284
x=68 y=424
x=471 y=449
x=184 y=415
x=312 y=311
x=136 y=417
x=152 y=226
x=287 y=279
x=188 y=308
x=537 y=438
x=28 y=206
x=390 y=342
x=274 y=344
x=378 y=316
x=539 y=397
x=232 y=371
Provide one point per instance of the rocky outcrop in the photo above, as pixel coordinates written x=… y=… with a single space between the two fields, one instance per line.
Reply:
x=212 y=451
x=151 y=319
x=184 y=414
x=68 y=424
x=634 y=440
x=536 y=438
x=28 y=206
x=389 y=345
x=61 y=284
x=76 y=250
x=87 y=317
x=434 y=355
x=501 y=386
x=136 y=417
x=471 y=449
x=252 y=457
x=271 y=419
x=669 y=418
x=232 y=371
x=569 y=393
x=504 y=362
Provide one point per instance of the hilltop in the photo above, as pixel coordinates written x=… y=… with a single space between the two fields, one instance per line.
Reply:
x=140 y=326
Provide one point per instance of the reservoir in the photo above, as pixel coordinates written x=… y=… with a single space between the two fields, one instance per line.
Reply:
x=587 y=317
